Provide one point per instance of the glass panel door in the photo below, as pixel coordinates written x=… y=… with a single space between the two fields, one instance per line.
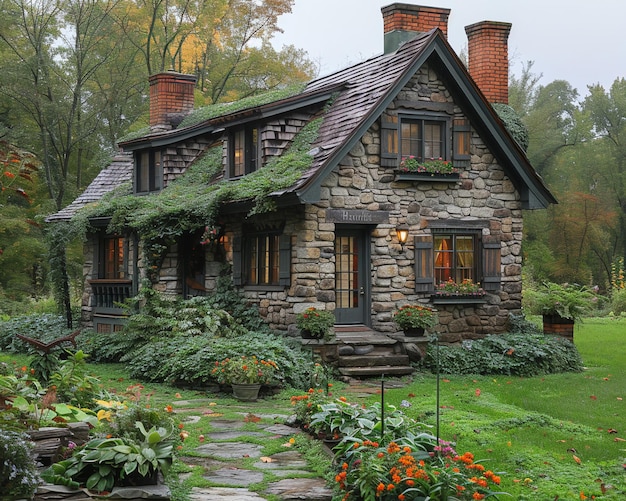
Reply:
x=351 y=277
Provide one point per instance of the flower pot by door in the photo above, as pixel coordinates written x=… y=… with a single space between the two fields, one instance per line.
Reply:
x=414 y=332
x=555 y=324
x=246 y=392
x=306 y=334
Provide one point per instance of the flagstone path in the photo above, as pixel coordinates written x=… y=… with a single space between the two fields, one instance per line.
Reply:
x=222 y=447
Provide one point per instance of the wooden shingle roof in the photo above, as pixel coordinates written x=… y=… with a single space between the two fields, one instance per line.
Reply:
x=362 y=92
x=119 y=171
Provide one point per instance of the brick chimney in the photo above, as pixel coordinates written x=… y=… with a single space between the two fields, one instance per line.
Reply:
x=488 y=58
x=171 y=99
x=402 y=22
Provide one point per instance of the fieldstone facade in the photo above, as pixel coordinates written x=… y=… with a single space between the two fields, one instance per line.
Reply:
x=332 y=243
x=483 y=193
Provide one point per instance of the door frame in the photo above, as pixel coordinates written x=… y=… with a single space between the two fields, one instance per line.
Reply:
x=362 y=315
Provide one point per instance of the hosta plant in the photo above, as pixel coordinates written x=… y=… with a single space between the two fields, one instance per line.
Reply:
x=105 y=463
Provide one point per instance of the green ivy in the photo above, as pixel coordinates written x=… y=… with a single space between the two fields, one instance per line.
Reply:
x=524 y=354
x=193 y=200
x=513 y=123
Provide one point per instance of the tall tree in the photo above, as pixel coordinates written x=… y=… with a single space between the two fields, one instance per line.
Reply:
x=607 y=113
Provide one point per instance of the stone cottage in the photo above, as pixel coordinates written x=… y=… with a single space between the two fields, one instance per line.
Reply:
x=357 y=231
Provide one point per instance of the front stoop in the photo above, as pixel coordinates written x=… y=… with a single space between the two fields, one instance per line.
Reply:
x=364 y=352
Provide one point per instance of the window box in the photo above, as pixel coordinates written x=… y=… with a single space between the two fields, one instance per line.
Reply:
x=452 y=298
x=426 y=177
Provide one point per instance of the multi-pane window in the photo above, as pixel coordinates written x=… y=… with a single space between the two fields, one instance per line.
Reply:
x=454 y=257
x=244 y=151
x=148 y=171
x=457 y=254
x=262 y=259
x=422 y=139
x=112 y=258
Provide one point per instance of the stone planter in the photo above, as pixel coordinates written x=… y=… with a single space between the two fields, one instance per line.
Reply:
x=246 y=392
x=555 y=324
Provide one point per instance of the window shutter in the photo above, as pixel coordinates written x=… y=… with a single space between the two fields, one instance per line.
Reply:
x=462 y=136
x=424 y=270
x=389 y=146
x=284 y=260
x=492 y=275
x=237 y=261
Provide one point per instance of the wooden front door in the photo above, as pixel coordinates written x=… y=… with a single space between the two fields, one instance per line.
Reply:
x=352 y=276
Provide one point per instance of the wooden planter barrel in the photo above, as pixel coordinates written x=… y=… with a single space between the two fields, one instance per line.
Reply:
x=555 y=324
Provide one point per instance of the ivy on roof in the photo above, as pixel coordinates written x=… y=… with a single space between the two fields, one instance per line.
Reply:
x=219 y=109
x=193 y=200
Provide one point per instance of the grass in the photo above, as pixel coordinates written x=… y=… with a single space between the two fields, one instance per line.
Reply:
x=559 y=436
x=550 y=437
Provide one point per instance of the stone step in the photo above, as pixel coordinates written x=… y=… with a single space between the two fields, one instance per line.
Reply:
x=379 y=370
x=373 y=360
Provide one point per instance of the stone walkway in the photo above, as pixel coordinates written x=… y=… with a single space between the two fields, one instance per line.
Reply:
x=222 y=448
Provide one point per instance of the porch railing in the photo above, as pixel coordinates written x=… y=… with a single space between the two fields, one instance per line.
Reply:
x=109 y=293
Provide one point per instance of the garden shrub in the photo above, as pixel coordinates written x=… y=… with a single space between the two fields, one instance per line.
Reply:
x=189 y=360
x=523 y=355
x=45 y=327
x=18 y=471
x=618 y=302
x=178 y=341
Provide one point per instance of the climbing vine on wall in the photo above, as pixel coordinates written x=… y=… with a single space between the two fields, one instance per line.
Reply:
x=193 y=200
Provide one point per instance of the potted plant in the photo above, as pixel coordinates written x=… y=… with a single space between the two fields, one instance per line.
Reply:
x=246 y=375
x=562 y=305
x=414 y=319
x=315 y=324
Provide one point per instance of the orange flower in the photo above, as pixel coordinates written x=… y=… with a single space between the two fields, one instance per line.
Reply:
x=169 y=408
x=478 y=495
x=401 y=497
x=380 y=488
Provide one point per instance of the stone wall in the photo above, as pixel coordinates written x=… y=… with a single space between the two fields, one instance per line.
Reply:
x=483 y=193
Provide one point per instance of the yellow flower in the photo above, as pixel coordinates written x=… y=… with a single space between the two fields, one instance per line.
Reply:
x=102 y=414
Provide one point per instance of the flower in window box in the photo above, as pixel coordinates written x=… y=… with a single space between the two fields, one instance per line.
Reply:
x=427 y=166
x=465 y=288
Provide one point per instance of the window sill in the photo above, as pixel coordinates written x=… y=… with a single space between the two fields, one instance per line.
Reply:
x=458 y=298
x=426 y=177
x=265 y=288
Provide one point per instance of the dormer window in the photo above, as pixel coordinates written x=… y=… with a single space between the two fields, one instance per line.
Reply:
x=148 y=171
x=244 y=155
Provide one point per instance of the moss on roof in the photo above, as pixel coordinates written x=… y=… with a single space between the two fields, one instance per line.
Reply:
x=215 y=110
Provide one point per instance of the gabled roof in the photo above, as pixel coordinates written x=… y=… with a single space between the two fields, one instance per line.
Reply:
x=371 y=86
x=363 y=91
x=118 y=172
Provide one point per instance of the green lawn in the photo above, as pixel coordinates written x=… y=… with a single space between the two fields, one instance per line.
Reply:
x=535 y=430
x=557 y=437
